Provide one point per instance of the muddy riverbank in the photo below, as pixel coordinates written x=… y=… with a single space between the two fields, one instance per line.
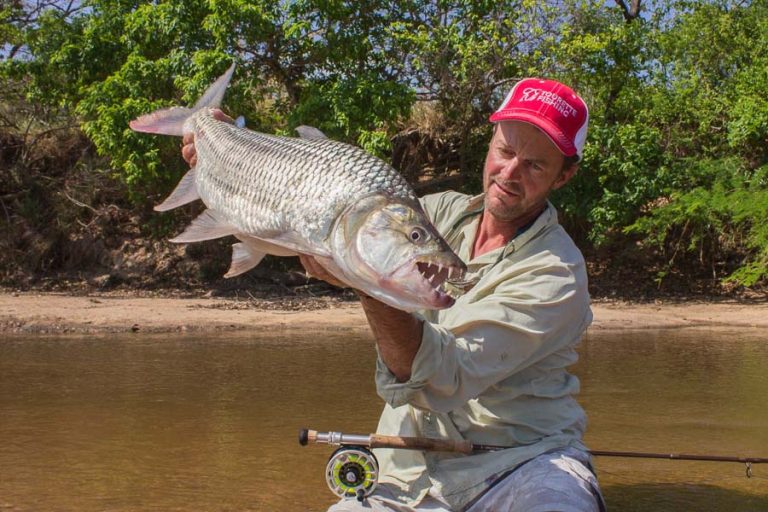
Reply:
x=56 y=313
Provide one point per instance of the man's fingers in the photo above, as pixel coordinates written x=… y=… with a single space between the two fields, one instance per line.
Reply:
x=315 y=269
x=304 y=263
x=221 y=116
x=189 y=154
x=311 y=266
x=188 y=151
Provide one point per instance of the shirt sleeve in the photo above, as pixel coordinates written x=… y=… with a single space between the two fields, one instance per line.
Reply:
x=440 y=207
x=533 y=311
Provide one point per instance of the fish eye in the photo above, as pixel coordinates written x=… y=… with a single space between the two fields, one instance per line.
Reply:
x=418 y=235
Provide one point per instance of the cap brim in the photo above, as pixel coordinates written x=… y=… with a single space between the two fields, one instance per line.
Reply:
x=551 y=130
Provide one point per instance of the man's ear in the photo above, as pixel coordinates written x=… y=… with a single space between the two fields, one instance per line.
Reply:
x=565 y=176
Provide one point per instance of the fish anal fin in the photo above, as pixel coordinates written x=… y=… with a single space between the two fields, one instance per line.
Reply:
x=244 y=259
x=185 y=192
x=208 y=225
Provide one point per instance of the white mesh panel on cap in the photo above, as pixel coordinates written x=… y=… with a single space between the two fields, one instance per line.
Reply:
x=509 y=96
x=581 y=135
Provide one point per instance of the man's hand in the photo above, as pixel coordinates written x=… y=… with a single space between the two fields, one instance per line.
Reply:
x=188 y=141
x=316 y=270
x=398 y=334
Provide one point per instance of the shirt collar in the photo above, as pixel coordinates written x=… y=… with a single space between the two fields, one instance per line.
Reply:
x=475 y=206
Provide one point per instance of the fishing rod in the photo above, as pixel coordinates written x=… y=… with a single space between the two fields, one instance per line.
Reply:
x=352 y=470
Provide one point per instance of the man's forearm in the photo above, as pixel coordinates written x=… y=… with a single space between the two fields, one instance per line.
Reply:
x=397 y=333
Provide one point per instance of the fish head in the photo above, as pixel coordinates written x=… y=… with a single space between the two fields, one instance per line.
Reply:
x=388 y=248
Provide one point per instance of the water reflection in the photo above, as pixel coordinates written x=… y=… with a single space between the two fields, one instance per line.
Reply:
x=183 y=423
x=684 y=391
x=210 y=423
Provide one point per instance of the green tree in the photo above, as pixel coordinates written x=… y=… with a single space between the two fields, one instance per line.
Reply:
x=676 y=155
x=708 y=101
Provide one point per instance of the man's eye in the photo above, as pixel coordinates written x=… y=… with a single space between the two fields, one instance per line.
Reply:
x=534 y=165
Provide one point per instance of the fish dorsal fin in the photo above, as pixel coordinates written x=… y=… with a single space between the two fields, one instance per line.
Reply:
x=244 y=259
x=208 y=225
x=215 y=93
x=310 y=132
x=185 y=192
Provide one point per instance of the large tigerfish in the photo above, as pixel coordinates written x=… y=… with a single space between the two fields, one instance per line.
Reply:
x=286 y=196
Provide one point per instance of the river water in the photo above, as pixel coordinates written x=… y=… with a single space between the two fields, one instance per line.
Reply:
x=191 y=422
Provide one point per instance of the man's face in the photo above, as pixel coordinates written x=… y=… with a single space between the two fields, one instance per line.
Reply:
x=521 y=169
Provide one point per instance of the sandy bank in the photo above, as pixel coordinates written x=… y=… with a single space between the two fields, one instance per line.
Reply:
x=50 y=313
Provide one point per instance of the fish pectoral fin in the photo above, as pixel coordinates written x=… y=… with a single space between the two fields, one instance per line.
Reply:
x=258 y=245
x=208 y=225
x=244 y=258
x=310 y=132
x=185 y=192
x=293 y=241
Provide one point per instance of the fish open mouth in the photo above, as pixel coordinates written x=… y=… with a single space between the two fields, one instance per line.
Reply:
x=436 y=275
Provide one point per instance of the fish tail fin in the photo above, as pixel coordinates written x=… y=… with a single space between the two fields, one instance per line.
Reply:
x=170 y=121
x=212 y=96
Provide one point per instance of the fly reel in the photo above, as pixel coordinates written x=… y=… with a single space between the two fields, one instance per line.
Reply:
x=352 y=472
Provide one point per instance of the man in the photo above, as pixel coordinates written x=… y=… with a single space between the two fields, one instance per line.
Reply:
x=491 y=368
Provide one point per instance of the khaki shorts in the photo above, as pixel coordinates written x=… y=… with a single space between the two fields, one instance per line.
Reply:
x=558 y=481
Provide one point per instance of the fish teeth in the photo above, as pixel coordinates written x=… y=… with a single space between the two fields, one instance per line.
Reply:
x=433 y=272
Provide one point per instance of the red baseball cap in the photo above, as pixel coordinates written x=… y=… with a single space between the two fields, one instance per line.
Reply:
x=550 y=106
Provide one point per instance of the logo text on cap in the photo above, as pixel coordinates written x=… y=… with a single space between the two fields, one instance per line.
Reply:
x=549 y=98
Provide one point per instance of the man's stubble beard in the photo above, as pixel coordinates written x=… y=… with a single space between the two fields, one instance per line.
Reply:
x=499 y=209
x=503 y=212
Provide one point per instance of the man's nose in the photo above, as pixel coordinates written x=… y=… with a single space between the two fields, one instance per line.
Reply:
x=511 y=168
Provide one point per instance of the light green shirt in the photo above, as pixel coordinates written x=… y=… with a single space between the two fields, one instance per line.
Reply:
x=491 y=368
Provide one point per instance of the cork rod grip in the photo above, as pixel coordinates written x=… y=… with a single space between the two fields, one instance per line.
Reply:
x=420 y=443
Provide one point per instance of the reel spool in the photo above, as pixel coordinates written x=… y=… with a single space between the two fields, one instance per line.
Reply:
x=352 y=472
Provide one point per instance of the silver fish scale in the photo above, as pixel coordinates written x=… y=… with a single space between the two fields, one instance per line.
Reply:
x=270 y=186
